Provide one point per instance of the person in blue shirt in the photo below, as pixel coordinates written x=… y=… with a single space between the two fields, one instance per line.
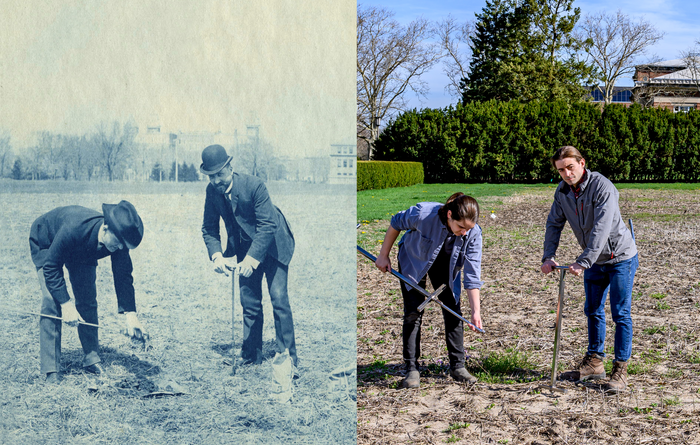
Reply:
x=439 y=242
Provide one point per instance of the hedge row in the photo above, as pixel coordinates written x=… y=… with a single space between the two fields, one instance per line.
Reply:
x=512 y=142
x=381 y=175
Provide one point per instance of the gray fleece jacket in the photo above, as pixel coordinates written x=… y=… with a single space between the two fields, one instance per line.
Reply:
x=595 y=219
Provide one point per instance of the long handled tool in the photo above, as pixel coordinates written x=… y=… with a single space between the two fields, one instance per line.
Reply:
x=138 y=334
x=235 y=295
x=557 y=332
x=430 y=297
x=59 y=318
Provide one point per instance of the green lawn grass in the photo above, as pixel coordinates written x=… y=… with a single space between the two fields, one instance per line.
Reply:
x=381 y=204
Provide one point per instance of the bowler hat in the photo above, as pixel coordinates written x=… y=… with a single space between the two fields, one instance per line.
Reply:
x=214 y=158
x=124 y=222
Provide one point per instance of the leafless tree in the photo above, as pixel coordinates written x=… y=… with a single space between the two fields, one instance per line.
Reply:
x=114 y=143
x=256 y=157
x=691 y=57
x=391 y=59
x=616 y=43
x=454 y=39
x=5 y=151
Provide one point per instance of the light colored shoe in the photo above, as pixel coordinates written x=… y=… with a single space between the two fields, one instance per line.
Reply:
x=412 y=380
x=462 y=375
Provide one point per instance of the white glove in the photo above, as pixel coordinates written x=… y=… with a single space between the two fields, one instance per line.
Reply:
x=221 y=264
x=70 y=314
x=247 y=265
x=134 y=328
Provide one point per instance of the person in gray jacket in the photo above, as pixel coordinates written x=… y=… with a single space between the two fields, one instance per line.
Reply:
x=589 y=202
x=439 y=242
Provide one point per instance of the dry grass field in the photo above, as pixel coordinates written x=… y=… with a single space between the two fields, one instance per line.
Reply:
x=186 y=307
x=514 y=356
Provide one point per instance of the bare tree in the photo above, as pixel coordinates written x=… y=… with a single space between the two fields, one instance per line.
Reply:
x=5 y=151
x=257 y=158
x=390 y=60
x=114 y=143
x=616 y=43
x=691 y=58
x=454 y=39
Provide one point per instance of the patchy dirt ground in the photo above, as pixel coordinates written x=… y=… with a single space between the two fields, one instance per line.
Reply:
x=662 y=405
x=186 y=307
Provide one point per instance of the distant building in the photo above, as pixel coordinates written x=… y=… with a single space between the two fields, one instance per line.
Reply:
x=157 y=147
x=621 y=95
x=671 y=84
x=343 y=164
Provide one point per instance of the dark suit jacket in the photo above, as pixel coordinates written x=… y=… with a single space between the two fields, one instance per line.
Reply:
x=252 y=212
x=68 y=236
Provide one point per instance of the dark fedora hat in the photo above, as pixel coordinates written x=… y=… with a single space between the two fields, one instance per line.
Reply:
x=214 y=158
x=124 y=222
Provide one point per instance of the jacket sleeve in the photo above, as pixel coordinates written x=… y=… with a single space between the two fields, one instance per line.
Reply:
x=53 y=266
x=603 y=214
x=122 y=271
x=210 y=225
x=555 y=223
x=407 y=219
x=265 y=221
x=472 y=263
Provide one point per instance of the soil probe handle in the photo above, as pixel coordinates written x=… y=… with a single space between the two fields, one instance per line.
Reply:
x=425 y=293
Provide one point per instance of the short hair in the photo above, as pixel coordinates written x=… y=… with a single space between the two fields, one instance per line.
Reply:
x=567 y=151
x=463 y=207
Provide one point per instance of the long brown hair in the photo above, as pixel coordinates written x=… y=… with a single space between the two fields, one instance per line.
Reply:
x=463 y=207
x=567 y=151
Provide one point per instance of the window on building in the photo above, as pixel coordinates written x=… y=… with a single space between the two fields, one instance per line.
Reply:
x=339 y=163
x=350 y=163
x=345 y=164
x=338 y=150
x=683 y=108
x=351 y=150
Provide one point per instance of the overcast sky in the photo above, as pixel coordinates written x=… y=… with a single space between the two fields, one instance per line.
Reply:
x=210 y=65
x=679 y=20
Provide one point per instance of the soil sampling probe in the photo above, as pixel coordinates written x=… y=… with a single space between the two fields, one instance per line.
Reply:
x=430 y=297
x=557 y=331
x=143 y=337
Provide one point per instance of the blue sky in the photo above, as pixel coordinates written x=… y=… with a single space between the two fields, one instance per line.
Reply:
x=679 y=20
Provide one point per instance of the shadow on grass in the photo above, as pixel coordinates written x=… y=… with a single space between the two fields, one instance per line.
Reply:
x=269 y=349
x=73 y=362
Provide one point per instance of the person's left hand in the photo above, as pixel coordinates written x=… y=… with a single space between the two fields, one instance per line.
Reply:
x=247 y=266
x=476 y=321
x=134 y=328
x=576 y=269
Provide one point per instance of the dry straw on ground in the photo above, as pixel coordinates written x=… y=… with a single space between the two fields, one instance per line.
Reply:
x=186 y=307
x=662 y=405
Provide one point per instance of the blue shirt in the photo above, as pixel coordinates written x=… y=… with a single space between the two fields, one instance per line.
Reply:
x=424 y=237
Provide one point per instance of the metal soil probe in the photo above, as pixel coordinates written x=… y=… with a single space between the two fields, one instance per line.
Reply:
x=557 y=332
x=430 y=297
x=235 y=295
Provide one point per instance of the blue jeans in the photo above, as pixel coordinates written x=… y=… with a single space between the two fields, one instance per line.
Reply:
x=617 y=278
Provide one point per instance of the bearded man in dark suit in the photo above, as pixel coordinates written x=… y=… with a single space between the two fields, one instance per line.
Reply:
x=259 y=237
x=76 y=237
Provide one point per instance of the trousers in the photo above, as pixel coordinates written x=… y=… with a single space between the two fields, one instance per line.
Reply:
x=439 y=274
x=251 y=300
x=82 y=279
x=617 y=279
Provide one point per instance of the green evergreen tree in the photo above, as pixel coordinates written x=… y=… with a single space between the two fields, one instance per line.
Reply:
x=525 y=51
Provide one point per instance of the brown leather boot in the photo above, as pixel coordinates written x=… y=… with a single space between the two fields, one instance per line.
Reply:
x=618 y=378
x=590 y=368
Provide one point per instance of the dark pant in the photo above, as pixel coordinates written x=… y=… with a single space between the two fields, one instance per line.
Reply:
x=251 y=300
x=82 y=279
x=618 y=279
x=454 y=332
